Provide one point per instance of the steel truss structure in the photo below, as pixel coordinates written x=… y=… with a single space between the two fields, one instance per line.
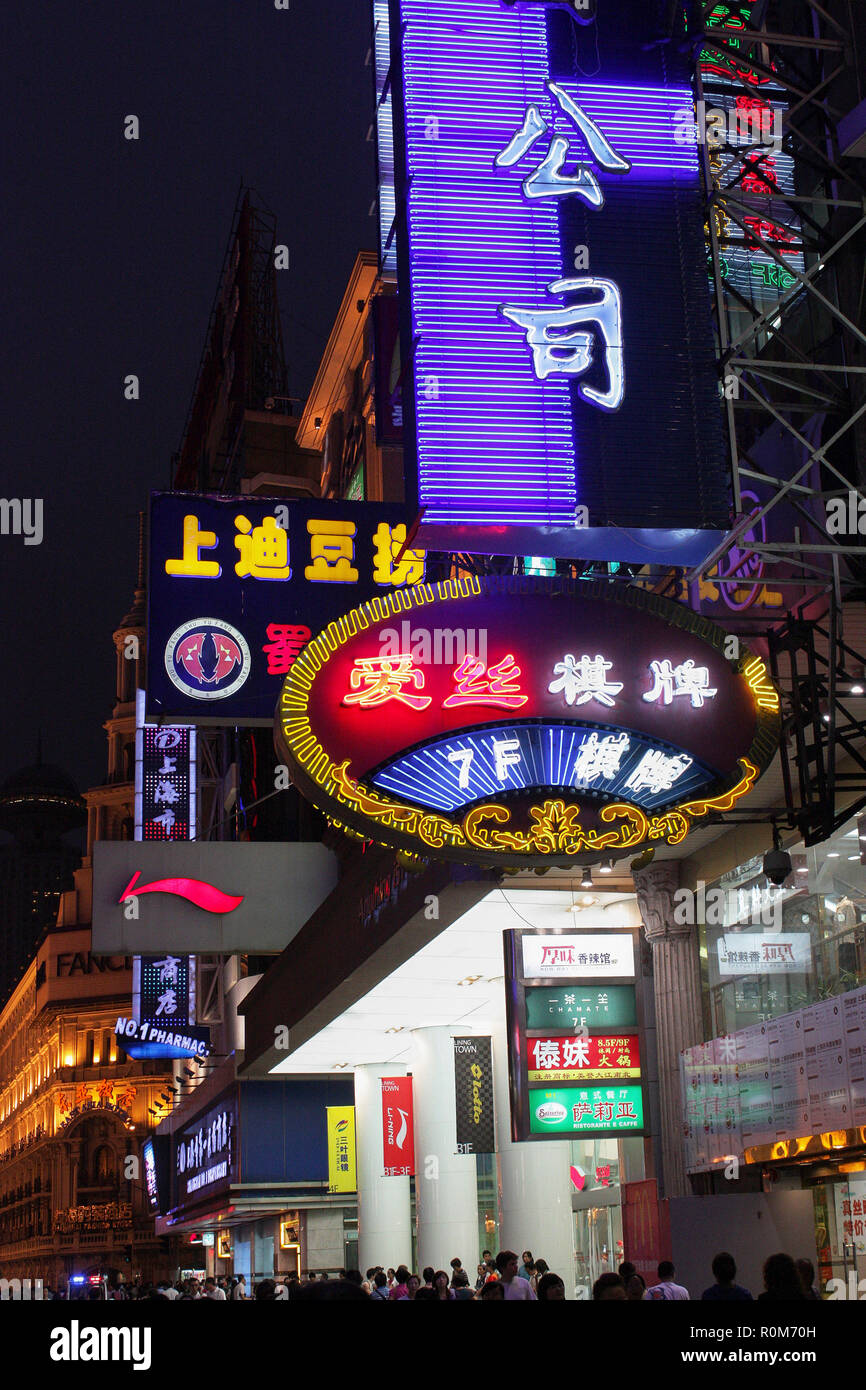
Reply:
x=797 y=364
x=804 y=355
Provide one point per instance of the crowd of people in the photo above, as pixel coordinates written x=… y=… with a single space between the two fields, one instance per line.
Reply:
x=506 y=1277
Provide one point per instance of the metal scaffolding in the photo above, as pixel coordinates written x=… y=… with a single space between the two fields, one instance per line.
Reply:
x=802 y=355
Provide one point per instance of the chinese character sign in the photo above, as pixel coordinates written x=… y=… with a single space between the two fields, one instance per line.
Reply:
x=548 y=355
x=238 y=586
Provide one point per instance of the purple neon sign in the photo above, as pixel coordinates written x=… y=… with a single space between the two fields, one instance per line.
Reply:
x=495 y=433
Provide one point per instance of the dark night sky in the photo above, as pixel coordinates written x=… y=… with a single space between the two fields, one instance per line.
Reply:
x=111 y=254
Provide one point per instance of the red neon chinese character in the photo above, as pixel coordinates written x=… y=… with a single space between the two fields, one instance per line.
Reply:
x=284 y=645
x=496 y=688
x=768 y=231
x=760 y=176
x=378 y=679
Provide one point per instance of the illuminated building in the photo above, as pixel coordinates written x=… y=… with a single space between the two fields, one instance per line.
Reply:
x=39 y=806
x=74 y=1109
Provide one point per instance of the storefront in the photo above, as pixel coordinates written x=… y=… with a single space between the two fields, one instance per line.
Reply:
x=775 y=1100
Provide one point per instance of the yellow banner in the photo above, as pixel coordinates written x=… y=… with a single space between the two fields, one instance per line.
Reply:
x=341 y=1149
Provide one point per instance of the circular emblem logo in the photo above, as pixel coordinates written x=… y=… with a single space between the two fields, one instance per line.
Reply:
x=551 y=1113
x=207 y=659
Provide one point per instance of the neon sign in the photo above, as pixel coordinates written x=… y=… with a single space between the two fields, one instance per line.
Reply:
x=588 y=762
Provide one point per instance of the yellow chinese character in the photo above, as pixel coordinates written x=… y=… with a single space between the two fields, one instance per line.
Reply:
x=332 y=550
x=265 y=552
x=194 y=540
x=388 y=542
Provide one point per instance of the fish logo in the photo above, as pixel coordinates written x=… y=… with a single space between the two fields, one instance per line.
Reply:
x=207 y=659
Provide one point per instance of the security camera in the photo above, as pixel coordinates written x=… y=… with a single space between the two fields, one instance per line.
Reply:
x=777 y=866
x=269 y=403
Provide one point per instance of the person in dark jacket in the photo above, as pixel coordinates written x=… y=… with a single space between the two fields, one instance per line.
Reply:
x=781 y=1281
x=725 y=1290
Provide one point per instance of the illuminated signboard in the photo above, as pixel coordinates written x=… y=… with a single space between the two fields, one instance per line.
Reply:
x=562 y=957
x=206 y=1153
x=238 y=585
x=587 y=1080
x=576 y=1111
x=515 y=721
x=606 y=1057
x=563 y=392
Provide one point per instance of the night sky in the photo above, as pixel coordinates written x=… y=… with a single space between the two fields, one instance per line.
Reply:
x=112 y=251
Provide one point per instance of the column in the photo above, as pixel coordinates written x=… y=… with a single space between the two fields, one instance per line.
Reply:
x=384 y=1226
x=534 y=1185
x=446 y=1186
x=678 y=1008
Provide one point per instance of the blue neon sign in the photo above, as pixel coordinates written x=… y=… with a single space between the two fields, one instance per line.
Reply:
x=600 y=763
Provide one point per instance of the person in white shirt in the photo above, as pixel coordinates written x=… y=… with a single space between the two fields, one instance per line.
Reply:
x=666 y=1290
x=213 y=1290
x=514 y=1287
x=240 y=1289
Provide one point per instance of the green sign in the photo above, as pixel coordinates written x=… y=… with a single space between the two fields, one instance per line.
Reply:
x=574 y=1110
x=570 y=1006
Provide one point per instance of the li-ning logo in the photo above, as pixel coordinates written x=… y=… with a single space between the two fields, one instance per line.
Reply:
x=398 y=1139
x=203 y=895
x=207 y=659
x=76 y=1343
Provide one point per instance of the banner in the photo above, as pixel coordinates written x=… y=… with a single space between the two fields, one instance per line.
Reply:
x=473 y=1094
x=398 y=1132
x=341 y=1149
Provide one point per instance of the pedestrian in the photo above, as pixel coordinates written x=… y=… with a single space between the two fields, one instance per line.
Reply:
x=806 y=1271
x=528 y=1266
x=380 y=1287
x=550 y=1289
x=213 y=1290
x=239 y=1292
x=413 y=1285
x=428 y=1276
x=461 y=1288
x=666 y=1290
x=440 y=1285
x=399 y=1290
x=482 y=1273
x=725 y=1290
x=455 y=1266
x=539 y=1269
x=635 y=1288
x=515 y=1287
x=781 y=1281
x=608 y=1288
x=266 y=1291
x=493 y=1291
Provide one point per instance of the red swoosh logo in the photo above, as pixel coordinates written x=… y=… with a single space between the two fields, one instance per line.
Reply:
x=202 y=894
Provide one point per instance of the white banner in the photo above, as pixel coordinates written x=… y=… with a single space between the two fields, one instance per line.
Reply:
x=582 y=956
x=747 y=953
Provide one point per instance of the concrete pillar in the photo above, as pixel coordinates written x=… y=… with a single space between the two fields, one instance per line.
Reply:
x=446 y=1186
x=677 y=994
x=534 y=1185
x=384 y=1224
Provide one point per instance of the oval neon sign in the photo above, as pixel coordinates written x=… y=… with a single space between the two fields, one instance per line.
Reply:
x=519 y=721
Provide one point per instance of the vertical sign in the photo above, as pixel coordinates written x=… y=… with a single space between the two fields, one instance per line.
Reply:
x=473 y=1095
x=550 y=236
x=163 y=988
x=341 y=1149
x=398 y=1128
x=584 y=1079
